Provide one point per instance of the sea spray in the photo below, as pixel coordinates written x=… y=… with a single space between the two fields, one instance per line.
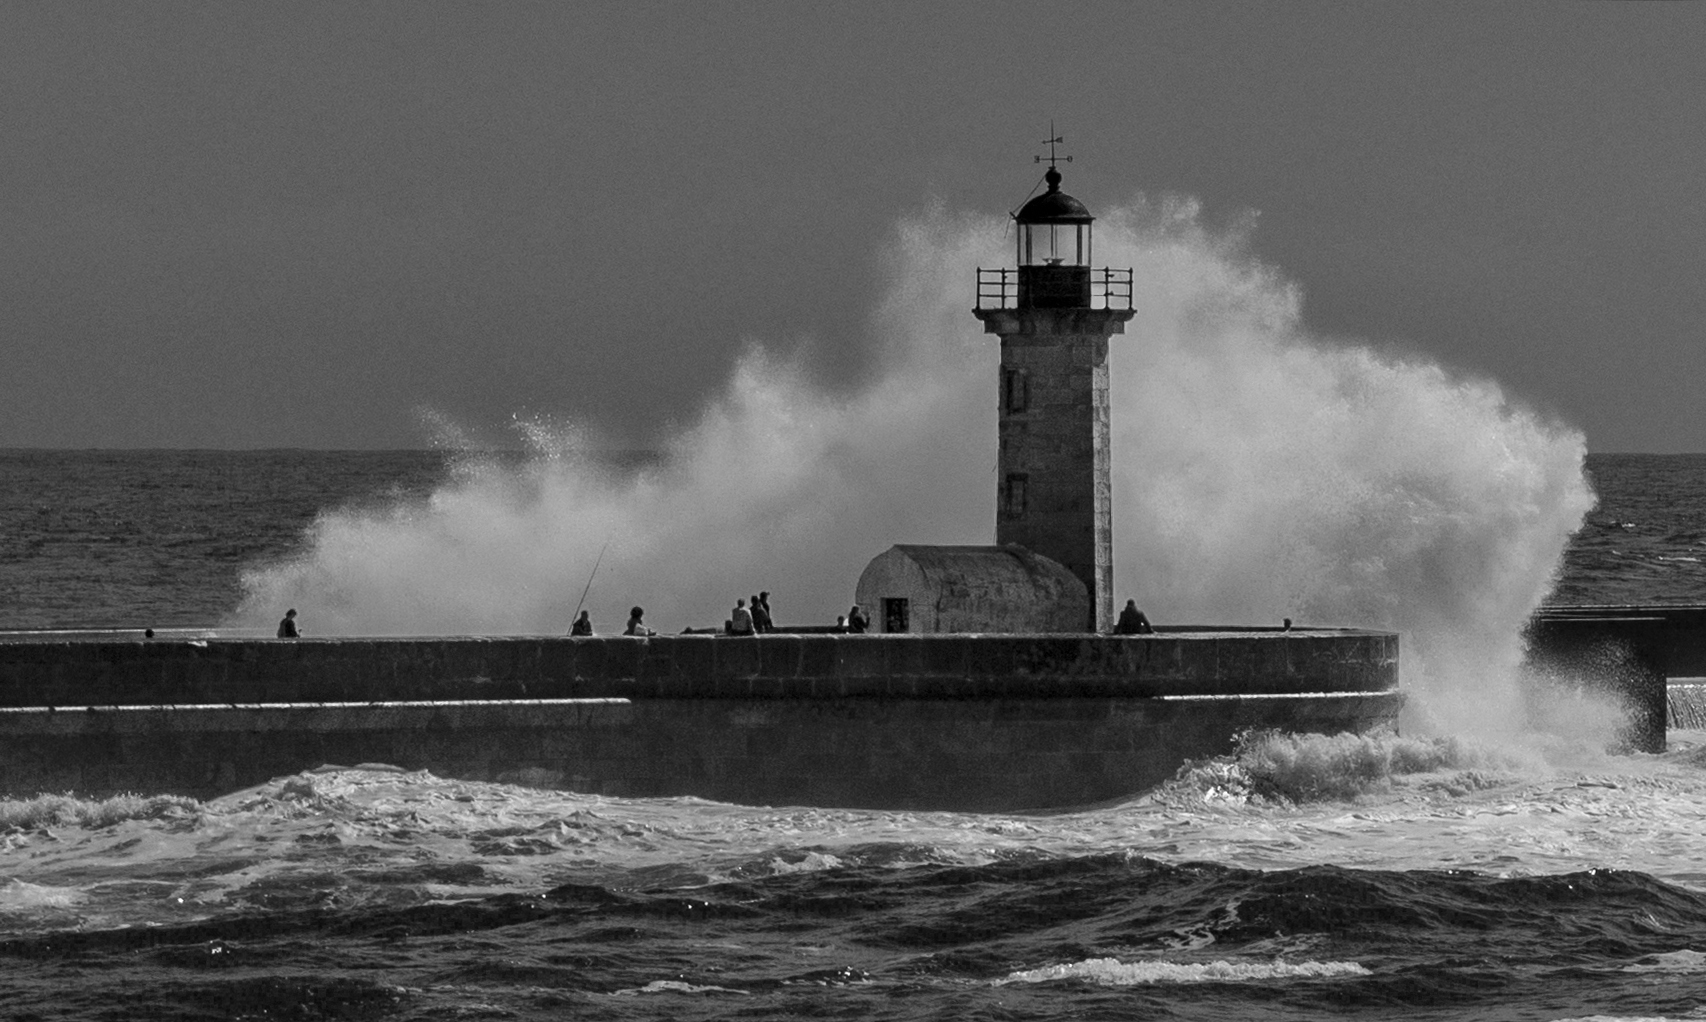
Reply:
x=1259 y=473
x=779 y=485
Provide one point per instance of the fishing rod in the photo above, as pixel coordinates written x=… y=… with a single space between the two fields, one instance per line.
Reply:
x=588 y=588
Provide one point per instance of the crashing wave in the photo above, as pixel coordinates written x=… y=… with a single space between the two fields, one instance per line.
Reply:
x=68 y=810
x=1276 y=766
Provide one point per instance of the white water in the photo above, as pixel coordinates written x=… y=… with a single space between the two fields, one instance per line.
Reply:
x=1360 y=802
x=1259 y=473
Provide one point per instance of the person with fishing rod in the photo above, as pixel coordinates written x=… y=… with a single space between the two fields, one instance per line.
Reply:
x=583 y=619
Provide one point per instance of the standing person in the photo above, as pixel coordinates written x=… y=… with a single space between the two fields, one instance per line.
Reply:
x=740 y=622
x=760 y=615
x=1132 y=621
x=582 y=625
x=857 y=622
x=764 y=602
x=287 y=627
x=636 y=624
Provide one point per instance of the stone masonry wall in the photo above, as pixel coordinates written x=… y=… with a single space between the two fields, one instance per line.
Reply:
x=914 y=721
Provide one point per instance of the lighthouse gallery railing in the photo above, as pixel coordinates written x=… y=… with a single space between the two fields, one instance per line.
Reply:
x=999 y=288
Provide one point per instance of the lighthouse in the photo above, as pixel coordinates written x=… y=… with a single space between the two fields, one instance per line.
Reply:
x=1054 y=314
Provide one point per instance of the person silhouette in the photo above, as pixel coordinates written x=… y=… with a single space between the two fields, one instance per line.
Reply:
x=760 y=616
x=740 y=621
x=287 y=627
x=857 y=622
x=1132 y=621
x=582 y=625
x=636 y=626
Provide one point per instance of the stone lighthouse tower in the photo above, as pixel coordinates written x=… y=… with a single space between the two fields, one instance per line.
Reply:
x=1054 y=315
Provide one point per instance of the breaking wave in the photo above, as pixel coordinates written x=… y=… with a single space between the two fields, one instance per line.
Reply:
x=1260 y=472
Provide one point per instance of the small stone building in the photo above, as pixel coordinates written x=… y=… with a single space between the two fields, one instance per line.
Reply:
x=911 y=588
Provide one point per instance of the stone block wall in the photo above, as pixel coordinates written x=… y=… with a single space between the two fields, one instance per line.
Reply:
x=906 y=721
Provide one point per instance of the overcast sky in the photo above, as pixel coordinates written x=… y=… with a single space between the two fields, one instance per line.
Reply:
x=296 y=225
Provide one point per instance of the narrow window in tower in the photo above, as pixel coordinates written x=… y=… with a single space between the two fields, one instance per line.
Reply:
x=1015 y=390
x=1015 y=503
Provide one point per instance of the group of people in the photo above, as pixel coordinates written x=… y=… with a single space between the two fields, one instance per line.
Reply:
x=744 y=621
x=636 y=623
x=751 y=616
x=754 y=620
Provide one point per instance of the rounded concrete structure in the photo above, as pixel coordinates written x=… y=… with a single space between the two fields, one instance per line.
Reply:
x=930 y=589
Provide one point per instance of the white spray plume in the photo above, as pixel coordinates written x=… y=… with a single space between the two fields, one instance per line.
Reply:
x=1259 y=474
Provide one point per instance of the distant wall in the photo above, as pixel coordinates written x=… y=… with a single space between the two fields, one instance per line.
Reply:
x=1626 y=656
x=1680 y=642
x=945 y=722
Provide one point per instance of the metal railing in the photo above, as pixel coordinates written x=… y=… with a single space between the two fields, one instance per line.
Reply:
x=999 y=288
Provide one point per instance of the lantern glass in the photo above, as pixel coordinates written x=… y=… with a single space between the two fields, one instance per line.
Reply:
x=1053 y=244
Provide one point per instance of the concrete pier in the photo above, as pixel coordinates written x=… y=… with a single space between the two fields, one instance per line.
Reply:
x=1640 y=654
x=991 y=723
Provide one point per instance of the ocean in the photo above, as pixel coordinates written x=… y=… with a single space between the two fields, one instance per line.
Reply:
x=1428 y=875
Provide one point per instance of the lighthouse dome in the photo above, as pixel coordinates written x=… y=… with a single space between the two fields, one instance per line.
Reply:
x=1053 y=206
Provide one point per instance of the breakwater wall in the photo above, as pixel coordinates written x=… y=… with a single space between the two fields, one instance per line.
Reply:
x=1641 y=655
x=881 y=721
x=1677 y=644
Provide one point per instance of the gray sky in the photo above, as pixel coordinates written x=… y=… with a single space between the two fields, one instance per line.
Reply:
x=270 y=225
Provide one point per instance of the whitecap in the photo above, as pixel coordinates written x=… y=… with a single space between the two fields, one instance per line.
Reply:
x=20 y=896
x=672 y=986
x=814 y=862
x=1686 y=960
x=1113 y=972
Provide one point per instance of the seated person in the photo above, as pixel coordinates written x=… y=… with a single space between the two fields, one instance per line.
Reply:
x=1132 y=621
x=740 y=622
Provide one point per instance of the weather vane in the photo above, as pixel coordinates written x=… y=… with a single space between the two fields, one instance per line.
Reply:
x=1051 y=141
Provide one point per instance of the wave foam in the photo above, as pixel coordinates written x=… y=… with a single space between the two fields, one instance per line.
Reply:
x=1113 y=972
x=18 y=896
x=1277 y=766
x=68 y=810
x=674 y=986
x=1685 y=961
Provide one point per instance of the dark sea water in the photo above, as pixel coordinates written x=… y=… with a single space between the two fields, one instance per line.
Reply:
x=1646 y=541
x=121 y=539
x=1425 y=877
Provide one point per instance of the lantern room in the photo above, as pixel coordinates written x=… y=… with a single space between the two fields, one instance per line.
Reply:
x=1054 y=249
x=1054 y=228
